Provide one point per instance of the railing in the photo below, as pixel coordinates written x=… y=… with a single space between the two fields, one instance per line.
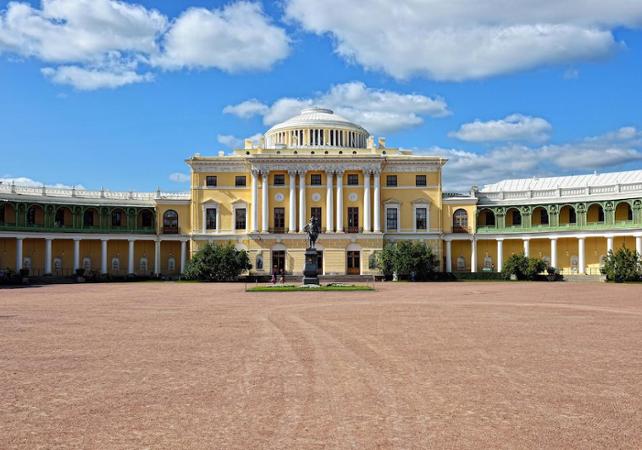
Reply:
x=460 y=229
x=65 y=229
x=562 y=227
x=560 y=192
x=170 y=230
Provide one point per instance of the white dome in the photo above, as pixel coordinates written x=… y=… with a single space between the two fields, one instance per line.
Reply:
x=317 y=117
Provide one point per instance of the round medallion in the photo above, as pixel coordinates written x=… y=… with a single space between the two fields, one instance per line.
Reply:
x=279 y=197
x=316 y=197
x=352 y=197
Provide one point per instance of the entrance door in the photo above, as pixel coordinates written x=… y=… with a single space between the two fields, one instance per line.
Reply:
x=353 y=220
x=278 y=261
x=354 y=263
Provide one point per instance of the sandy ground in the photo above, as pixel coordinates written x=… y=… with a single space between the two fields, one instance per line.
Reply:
x=443 y=365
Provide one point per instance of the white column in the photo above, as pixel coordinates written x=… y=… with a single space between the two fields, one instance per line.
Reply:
x=527 y=247
x=329 y=204
x=292 y=225
x=449 y=256
x=19 y=246
x=339 y=202
x=130 y=257
x=580 y=251
x=377 y=202
x=609 y=244
x=76 y=254
x=103 y=256
x=554 y=253
x=473 y=255
x=47 y=256
x=638 y=245
x=265 y=224
x=302 y=208
x=255 y=200
x=157 y=257
x=500 y=254
x=366 y=202
x=183 y=255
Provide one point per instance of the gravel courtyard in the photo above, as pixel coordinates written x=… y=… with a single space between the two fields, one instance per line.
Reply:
x=455 y=365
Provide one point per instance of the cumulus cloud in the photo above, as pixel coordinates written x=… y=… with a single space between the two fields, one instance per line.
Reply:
x=91 y=44
x=232 y=141
x=377 y=110
x=466 y=39
x=515 y=127
x=179 y=177
x=608 y=151
x=24 y=181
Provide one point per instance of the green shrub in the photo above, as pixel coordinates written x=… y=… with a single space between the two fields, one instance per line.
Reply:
x=409 y=259
x=217 y=263
x=523 y=267
x=623 y=265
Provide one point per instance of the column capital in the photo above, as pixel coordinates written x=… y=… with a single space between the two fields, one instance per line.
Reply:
x=292 y=172
x=105 y=239
x=77 y=239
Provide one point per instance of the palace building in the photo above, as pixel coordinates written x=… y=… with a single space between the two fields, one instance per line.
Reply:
x=364 y=194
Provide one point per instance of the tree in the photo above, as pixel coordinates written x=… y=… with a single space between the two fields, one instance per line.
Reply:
x=623 y=265
x=217 y=263
x=409 y=259
x=523 y=267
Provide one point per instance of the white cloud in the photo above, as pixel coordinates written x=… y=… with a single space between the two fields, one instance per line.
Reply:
x=377 y=110
x=237 y=37
x=86 y=79
x=466 y=39
x=24 y=181
x=179 y=177
x=236 y=142
x=466 y=168
x=92 y=44
x=516 y=127
x=247 y=109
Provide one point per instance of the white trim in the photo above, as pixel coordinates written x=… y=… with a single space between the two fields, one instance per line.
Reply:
x=210 y=204
x=240 y=204
x=415 y=206
x=396 y=206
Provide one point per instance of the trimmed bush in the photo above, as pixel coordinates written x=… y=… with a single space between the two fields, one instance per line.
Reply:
x=410 y=260
x=623 y=265
x=523 y=267
x=217 y=263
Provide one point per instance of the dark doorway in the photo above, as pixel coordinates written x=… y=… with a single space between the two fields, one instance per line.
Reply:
x=278 y=261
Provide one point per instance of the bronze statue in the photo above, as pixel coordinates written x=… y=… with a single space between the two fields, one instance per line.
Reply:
x=312 y=229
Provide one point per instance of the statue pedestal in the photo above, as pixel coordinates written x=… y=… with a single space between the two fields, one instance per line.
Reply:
x=311 y=269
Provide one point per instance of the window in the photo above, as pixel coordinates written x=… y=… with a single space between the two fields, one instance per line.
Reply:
x=391 y=180
x=240 y=181
x=88 y=218
x=279 y=179
x=517 y=217
x=146 y=219
x=543 y=216
x=572 y=218
x=316 y=212
x=60 y=218
x=170 y=221
x=210 y=219
x=421 y=218
x=117 y=218
x=420 y=180
x=391 y=219
x=460 y=221
x=31 y=216
x=315 y=179
x=240 y=220
x=279 y=220
x=353 y=179
x=353 y=220
x=211 y=181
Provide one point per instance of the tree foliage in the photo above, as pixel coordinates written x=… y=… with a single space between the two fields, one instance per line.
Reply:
x=623 y=265
x=408 y=259
x=217 y=263
x=523 y=267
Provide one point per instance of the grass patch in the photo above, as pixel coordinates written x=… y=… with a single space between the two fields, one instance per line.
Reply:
x=304 y=289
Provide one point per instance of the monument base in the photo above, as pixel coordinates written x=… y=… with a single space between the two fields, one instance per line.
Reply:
x=311 y=268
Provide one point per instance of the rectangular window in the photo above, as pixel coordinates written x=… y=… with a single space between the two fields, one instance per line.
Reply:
x=279 y=220
x=116 y=219
x=210 y=181
x=391 y=180
x=353 y=220
x=279 y=179
x=210 y=219
x=316 y=212
x=240 y=219
x=420 y=180
x=353 y=179
x=315 y=179
x=240 y=181
x=421 y=218
x=391 y=219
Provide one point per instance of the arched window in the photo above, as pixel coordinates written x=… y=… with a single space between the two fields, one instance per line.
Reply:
x=513 y=217
x=595 y=214
x=623 y=212
x=170 y=221
x=486 y=218
x=567 y=215
x=460 y=221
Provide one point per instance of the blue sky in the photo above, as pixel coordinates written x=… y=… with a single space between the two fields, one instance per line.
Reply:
x=522 y=94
